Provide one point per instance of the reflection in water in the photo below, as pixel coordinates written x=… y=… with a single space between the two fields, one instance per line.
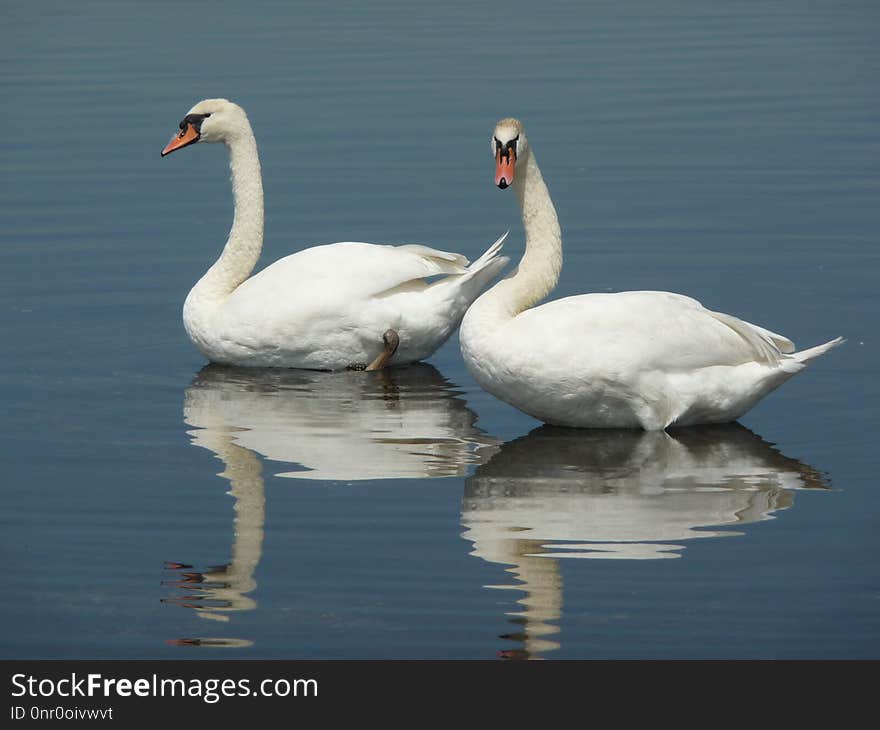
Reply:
x=567 y=493
x=391 y=424
x=221 y=589
x=349 y=426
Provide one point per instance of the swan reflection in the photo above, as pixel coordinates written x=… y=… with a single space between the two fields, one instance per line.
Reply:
x=566 y=493
x=390 y=424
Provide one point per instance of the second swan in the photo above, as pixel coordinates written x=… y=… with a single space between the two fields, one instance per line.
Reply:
x=639 y=359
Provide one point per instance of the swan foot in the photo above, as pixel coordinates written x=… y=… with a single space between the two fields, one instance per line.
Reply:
x=392 y=341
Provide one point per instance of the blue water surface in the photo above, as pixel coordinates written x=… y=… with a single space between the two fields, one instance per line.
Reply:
x=158 y=508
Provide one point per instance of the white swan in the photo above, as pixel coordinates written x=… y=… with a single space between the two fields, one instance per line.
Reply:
x=342 y=305
x=638 y=359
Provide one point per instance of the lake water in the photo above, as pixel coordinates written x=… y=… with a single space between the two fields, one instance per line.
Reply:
x=158 y=508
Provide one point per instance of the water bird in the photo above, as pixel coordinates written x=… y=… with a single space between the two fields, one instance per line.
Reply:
x=337 y=306
x=635 y=359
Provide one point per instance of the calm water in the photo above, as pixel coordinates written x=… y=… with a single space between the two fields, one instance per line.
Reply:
x=156 y=507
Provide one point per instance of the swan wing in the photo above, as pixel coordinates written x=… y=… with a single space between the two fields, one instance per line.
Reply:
x=334 y=298
x=648 y=330
x=352 y=270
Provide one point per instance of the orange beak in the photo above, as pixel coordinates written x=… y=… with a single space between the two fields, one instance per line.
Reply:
x=185 y=137
x=504 y=164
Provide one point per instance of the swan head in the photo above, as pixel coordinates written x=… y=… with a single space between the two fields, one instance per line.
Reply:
x=211 y=120
x=508 y=143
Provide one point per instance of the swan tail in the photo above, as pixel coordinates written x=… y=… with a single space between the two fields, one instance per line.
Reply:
x=797 y=361
x=445 y=262
x=461 y=289
x=490 y=253
x=804 y=356
x=483 y=271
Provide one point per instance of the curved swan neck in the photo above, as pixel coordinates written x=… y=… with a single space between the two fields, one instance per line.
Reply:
x=538 y=270
x=245 y=241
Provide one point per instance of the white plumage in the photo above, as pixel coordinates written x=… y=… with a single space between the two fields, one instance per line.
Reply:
x=325 y=307
x=632 y=359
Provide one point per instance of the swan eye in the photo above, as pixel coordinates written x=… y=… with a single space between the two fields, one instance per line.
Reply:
x=499 y=146
x=194 y=119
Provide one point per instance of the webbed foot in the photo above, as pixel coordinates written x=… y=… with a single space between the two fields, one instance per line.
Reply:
x=392 y=342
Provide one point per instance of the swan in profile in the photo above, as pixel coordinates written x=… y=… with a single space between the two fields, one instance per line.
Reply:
x=639 y=359
x=330 y=307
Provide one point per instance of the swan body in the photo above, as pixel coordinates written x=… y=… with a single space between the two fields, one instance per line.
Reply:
x=322 y=308
x=641 y=359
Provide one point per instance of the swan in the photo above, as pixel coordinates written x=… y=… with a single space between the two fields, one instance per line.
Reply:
x=329 y=307
x=637 y=359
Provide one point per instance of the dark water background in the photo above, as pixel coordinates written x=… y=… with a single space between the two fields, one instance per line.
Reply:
x=724 y=151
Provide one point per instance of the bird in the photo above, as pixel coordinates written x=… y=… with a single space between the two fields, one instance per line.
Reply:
x=634 y=359
x=349 y=305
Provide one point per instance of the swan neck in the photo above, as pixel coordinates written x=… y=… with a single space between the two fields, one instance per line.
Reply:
x=245 y=241
x=538 y=270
